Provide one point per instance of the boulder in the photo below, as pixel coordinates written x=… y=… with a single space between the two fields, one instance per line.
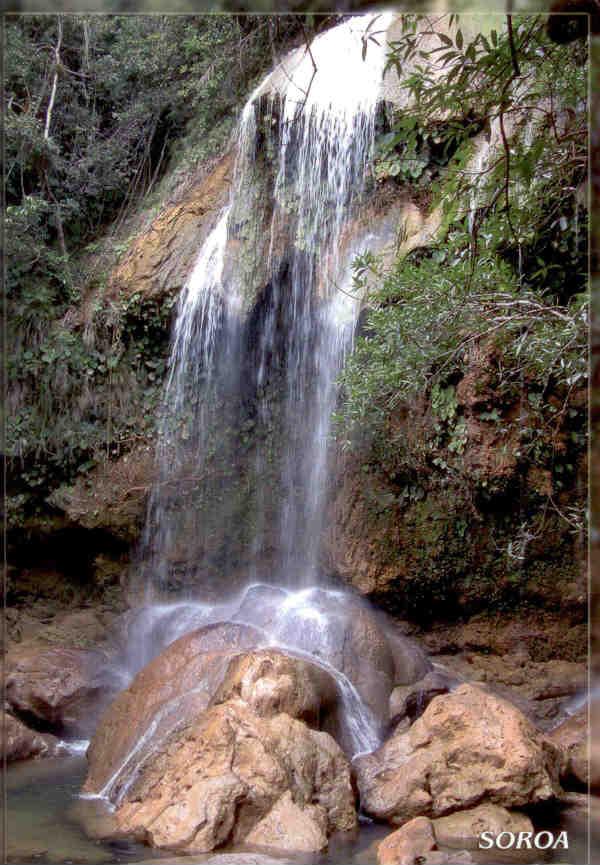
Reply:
x=217 y=779
x=462 y=829
x=341 y=631
x=541 y=690
x=571 y=737
x=467 y=747
x=289 y=827
x=59 y=689
x=172 y=689
x=410 y=661
x=271 y=682
x=407 y=845
x=19 y=742
x=410 y=701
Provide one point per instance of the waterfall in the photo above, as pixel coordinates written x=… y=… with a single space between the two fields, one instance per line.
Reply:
x=316 y=113
x=326 y=131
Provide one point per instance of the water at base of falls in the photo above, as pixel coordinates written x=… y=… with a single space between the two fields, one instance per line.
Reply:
x=308 y=623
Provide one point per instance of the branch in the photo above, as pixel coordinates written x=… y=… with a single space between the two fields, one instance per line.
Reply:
x=513 y=50
x=55 y=80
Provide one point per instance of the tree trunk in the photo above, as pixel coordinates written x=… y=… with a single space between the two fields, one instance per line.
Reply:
x=54 y=80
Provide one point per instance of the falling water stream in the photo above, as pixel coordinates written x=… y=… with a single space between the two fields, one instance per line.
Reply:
x=322 y=129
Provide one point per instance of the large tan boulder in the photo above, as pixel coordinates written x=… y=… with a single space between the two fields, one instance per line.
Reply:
x=462 y=829
x=172 y=689
x=59 y=688
x=467 y=747
x=217 y=779
x=271 y=682
x=571 y=737
x=19 y=742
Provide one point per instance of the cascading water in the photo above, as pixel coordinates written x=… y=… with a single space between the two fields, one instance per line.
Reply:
x=274 y=367
x=321 y=132
x=326 y=129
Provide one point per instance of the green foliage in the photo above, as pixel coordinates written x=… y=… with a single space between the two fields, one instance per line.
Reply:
x=507 y=276
x=104 y=115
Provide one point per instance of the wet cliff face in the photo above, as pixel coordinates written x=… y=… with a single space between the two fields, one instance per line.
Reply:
x=474 y=533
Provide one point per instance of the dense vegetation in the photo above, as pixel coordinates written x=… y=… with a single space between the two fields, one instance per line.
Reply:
x=105 y=118
x=499 y=302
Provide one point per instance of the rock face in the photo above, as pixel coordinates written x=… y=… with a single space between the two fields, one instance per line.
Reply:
x=468 y=746
x=411 y=555
x=174 y=687
x=571 y=737
x=219 y=778
x=19 y=742
x=219 y=750
x=270 y=682
x=160 y=259
x=289 y=827
x=59 y=688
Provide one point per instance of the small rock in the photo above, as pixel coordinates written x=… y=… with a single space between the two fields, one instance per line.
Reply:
x=462 y=829
x=571 y=737
x=20 y=743
x=409 y=844
x=442 y=857
x=410 y=701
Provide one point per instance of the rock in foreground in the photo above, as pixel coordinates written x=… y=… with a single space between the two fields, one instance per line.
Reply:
x=224 y=754
x=468 y=747
x=462 y=829
x=409 y=844
x=20 y=743
x=172 y=689
x=415 y=843
x=218 y=779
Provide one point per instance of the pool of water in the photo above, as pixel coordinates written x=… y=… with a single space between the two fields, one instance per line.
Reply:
x=41 y=826
x=44 y=814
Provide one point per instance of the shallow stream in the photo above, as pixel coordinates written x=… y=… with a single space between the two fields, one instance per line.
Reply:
x=42 y=827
